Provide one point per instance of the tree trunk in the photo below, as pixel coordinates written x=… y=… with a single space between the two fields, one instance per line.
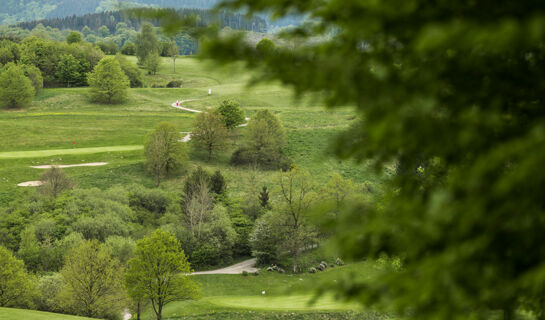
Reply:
x=158 y=180
x=209 y=153
x=160 y=312
x=295 y=256
x=174 y=65
x=138 y=310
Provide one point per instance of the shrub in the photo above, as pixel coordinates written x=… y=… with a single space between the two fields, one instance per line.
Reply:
x=217 y=183
x=174 y=84
x=16 y=89
x=244 y=273
x=266 y=160
x=48 y=288
x=55 y=181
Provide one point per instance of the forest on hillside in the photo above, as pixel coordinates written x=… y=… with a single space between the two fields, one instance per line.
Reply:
x=111 y=19
x=14 y=11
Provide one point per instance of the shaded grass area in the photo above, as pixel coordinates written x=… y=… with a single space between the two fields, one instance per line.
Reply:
x=20 y=314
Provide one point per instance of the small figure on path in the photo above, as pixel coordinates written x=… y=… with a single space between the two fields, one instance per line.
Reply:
x=209 y=91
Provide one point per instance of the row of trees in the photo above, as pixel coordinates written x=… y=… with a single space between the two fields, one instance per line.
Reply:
x=108 y=81
x=92 y=283
x=60 y=64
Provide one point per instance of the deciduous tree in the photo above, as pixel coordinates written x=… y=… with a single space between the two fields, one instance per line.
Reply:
x=297 y=195
x=16 y=89
x=152 y=63
x=68 y=70
x=232 y=114
x=15 y=284
x=108 y=83
x=74 y=37
x=264 y=142
x=173 y=52
x=159 y=272
x=209 y=131
x=165 y=153
x=146 y=43
x=93 y=282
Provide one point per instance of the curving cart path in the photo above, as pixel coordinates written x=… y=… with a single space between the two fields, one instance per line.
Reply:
x=187 y=136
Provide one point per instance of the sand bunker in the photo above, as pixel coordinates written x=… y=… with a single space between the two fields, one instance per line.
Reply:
x=91 y=164
x=30 y=184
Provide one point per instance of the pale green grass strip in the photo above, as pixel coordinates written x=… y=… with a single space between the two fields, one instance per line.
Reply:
x=292 y=302
x=48 y=153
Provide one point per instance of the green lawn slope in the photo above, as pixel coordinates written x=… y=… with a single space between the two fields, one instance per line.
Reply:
x=20 y=314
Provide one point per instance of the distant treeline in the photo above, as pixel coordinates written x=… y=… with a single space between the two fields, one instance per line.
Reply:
x=80 y=7
x=111 y=19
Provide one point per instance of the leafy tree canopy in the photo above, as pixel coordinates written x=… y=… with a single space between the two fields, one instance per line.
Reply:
x=108 y=83
x=159 y=271
x=16 y=89
x=15 y=283
x=74 y=37
x=232 y=113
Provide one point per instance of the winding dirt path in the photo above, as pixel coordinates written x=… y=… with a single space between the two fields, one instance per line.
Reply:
x=187 y=137
x=246 y=265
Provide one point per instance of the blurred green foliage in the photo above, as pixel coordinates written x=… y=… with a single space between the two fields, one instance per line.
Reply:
x=452 y=94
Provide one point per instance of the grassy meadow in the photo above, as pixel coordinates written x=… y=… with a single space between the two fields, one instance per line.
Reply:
x=63 y=127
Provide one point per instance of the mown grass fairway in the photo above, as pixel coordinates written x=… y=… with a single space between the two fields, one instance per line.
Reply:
x=241 y=297
x=20 y=314
x=63 y=127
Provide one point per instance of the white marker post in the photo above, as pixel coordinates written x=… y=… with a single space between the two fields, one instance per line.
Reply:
x=210 y=91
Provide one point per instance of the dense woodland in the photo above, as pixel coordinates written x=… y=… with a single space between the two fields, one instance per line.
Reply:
x=111 y=19
x=13 y=11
